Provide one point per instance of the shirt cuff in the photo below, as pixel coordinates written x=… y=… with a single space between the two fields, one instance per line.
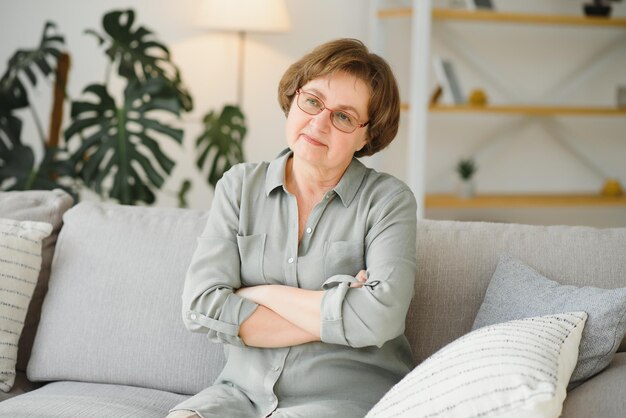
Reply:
x=235 y=310
x=331 y=327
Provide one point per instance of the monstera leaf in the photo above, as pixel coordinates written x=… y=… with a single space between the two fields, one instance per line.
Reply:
x=120 y=144
x=18 y=170
x=223 y=140
x=17 y=164
x=138 y=54
x=12 y=90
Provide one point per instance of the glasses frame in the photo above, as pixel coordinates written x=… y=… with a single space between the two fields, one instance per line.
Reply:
x=330 y=115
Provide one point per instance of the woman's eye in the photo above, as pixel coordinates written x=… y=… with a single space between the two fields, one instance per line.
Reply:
x=343 y=116
x=312 y=102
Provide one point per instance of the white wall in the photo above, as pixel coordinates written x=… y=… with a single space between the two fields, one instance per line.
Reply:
x=207 y=61
x=527 y=58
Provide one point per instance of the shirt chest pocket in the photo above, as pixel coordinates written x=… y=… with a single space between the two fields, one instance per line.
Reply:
x=343 y=257
x=251 y=250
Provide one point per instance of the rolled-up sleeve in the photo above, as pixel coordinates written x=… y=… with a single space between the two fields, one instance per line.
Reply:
x=375 y=313
x=209 y=302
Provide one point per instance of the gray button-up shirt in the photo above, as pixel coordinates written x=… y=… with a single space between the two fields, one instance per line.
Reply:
x=368 y=221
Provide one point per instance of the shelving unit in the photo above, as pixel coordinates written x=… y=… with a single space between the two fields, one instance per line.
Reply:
x=422 y=14
x=522 y=200
x=491 y=16
x=531 y=110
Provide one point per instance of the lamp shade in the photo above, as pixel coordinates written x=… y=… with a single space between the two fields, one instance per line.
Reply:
x=246 y=15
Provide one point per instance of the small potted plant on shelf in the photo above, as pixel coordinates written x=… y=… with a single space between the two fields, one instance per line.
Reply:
x=466 y=169
x=598 y=8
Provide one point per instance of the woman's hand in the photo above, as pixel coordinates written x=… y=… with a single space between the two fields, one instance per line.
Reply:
x=361 y=277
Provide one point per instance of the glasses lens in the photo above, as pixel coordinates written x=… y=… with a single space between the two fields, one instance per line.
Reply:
x=343 y=121
x=309 y=103
x=313 y=106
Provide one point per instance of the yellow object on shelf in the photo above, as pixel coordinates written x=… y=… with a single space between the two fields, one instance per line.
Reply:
x=477 y=97
x=612 y=187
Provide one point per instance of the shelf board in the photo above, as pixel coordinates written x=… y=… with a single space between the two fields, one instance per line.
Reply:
x=529 y=110
x=521 y=200
x=526 y=18
x=505 y=17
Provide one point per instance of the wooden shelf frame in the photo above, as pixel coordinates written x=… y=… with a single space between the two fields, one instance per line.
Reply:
x=450 y=201
x=531 y=110
x=525 y=110
x=507 y=17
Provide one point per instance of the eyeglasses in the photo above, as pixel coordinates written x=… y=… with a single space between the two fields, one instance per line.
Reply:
x=313 y=105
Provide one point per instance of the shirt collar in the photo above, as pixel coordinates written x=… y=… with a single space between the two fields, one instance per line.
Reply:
x=347 y=187
x=276 y=171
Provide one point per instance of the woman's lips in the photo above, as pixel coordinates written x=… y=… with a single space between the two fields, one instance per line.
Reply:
x=312 y=141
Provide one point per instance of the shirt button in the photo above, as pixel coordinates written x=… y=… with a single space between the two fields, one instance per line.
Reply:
x=327 y=196
x=275 y=369
x=290 y=260
x=308 y=230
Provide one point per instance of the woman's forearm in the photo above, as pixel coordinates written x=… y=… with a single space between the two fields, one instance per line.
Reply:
x=265 y=328
x=301 y=307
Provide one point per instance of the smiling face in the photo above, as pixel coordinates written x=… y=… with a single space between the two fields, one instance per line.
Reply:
x=313 y=138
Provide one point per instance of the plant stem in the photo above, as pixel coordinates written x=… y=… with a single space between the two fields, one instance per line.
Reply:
x=121 y=140
x=42 y=134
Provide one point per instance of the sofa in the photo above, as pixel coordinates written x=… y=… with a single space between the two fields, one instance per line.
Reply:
x=104 y=336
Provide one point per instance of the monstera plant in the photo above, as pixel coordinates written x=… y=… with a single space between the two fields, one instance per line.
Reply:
x=18 y=170
x=113 y=144
x=119 y=153
x=222 y=139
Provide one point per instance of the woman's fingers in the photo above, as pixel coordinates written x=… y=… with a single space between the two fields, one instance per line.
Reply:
x=361 y=277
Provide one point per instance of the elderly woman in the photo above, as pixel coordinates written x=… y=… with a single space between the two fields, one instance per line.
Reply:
x=305 y=269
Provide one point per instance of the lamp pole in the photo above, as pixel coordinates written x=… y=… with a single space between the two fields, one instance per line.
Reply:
x=240 y=69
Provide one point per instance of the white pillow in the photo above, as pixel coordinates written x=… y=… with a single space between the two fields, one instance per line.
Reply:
x=20 y=262
x=515 y=369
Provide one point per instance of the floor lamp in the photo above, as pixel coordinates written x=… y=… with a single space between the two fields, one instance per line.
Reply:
x=243 y=16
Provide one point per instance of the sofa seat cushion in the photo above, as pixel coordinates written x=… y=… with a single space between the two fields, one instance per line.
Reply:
x=21 y=386
x=77 y=399
x=601 y=396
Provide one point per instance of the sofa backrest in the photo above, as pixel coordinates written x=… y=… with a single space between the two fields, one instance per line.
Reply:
x=113 y=309
x=455 y=262
x=40 y=206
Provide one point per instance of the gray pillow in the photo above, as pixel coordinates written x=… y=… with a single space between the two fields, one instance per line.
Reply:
x=517 y=291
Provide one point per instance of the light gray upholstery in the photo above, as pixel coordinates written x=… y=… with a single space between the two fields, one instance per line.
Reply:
x=517 y=291
x=92 y=400
x=112 y=316
x=21 y=385
x=113 y=309
x=41 y=206
x=455 y=262
x=602 y=396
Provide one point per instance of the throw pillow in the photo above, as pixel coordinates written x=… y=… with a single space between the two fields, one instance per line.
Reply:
x=517 y=291
x=514 y=369
x=20 y=262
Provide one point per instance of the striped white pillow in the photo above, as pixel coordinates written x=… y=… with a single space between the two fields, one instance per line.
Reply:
x=514 y=369
x=20 y=262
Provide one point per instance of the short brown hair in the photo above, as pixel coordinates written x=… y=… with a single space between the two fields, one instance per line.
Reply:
x=351 y=56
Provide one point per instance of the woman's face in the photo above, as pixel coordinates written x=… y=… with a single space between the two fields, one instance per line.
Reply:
x=313 y=138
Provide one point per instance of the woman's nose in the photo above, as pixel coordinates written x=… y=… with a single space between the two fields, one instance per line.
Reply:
x=322 y=120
